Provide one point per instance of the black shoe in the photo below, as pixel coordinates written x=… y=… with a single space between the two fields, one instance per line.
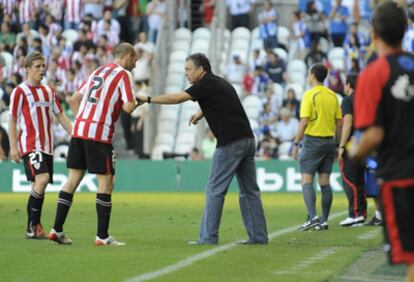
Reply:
x=309 y=224
x=374 y=222
x=248 y=242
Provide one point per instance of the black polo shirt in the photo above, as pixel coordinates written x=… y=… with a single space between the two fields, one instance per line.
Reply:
x=222 y=109
x=348 y=108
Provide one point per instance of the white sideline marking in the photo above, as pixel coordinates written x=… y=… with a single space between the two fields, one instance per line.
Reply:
x=308 y=262
x=369 y=235
x=367 y=279
x=192 y=259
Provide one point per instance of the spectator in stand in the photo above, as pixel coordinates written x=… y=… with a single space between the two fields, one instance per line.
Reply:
x=134 y=18
x=268 y=25
x=142 y=70
x=21 y=48
x=315 y=22
x=73 y=13
x=267 y=148
x=113 y=23
x=235 y=71
x=286 y=127
x=82 y=40
x=352 y=50
x=208 y=11
x=94 y=7
x=27 y=32
x=257 y=60
x=408 y=40
x=156 y=12
x=113 y=36
x=276 y=68
x=144 y=44
x=182 y=7
x=335 y=82
x=260 y=80
x=315 y=55
x=27 y=12
x=299 y=31
x=338 y=24
x=267 y=119
x=195 y=154
x=275 y=101
x=208 y=145
x=292 y=103
x=119 y=13
x=240 y=11
x=7 y=38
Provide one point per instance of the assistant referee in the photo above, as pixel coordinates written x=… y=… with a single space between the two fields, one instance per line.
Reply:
x=321 y=117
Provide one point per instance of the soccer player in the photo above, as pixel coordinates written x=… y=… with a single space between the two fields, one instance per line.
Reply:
x=97 y=105
x=321 y=118
x=32 y=106
x=352 y=170
x=234 y=154
x=384 y=108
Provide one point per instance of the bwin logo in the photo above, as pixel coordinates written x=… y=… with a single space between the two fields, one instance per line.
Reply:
x=402 y=90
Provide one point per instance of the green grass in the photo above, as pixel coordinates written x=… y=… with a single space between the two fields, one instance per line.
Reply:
x=156 y=227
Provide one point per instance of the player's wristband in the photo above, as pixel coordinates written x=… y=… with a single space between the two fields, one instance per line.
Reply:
x=342 y=147
x=295 y=144
x=149 y=99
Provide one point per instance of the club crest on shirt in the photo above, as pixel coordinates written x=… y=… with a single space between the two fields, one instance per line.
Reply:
x=36 y=165
x=402 y=89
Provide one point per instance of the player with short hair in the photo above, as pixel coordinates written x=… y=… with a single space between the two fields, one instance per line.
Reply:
x=321 y=117
x=384 y=109
x=97 y=105
x=32 y=106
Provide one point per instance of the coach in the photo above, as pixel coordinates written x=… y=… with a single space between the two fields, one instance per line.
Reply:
x=234 y=154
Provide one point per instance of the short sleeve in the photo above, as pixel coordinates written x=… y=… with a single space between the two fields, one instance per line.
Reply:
x=16 y=100
x=126 y=84
x=306 y=106
x=368 y=93
x=347 y=106
x=57 y=107
x=83 y=87
x=196 y=91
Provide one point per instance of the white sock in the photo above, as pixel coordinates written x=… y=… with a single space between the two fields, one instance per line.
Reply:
x=378 y=215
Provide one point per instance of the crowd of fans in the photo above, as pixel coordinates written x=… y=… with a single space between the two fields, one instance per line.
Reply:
x=45 y=26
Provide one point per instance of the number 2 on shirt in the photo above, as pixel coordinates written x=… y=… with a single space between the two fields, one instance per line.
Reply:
x=97 y=84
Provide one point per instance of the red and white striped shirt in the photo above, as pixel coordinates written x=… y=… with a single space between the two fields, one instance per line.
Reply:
x=8 y=6
x=27 y=10
x=73 y=10
x=34 y=107
x=103 y=94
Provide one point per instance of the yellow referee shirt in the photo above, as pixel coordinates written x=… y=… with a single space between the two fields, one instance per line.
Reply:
x=321 y=106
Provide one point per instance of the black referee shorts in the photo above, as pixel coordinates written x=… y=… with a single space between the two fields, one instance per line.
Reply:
x=37 y=163
x=96 y=157
x=397 y=198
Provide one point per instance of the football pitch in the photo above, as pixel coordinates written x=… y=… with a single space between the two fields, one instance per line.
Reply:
x=156 y=228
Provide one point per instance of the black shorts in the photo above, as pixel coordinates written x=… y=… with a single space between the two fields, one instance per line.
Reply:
x=397 y=198
x=36 y=163
x=96 y=157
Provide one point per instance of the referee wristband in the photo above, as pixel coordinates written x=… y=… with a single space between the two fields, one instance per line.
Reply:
x=149 y=99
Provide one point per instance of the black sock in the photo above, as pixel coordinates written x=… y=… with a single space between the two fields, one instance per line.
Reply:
x=35 y=202
x=28 y=214
x=103 y=211
x=326 y=201
x=63 y=205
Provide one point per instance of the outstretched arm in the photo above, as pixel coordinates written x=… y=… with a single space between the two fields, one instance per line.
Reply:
x=167 y=99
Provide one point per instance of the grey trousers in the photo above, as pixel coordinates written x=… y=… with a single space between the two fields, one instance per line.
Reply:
x=234 y=158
